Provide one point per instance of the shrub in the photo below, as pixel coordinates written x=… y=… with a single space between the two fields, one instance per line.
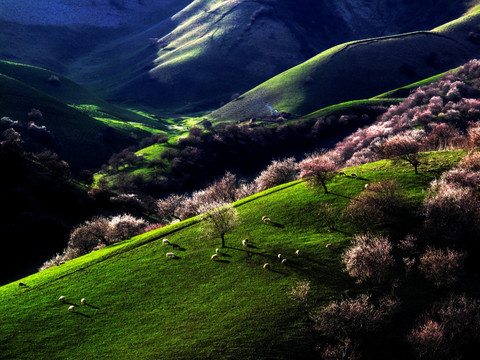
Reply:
x=383 y=203
x=442 y=137
x=277 y=173
x=300 y=291
x=346 y=318
x=122 y=227
x=12 y=142
x=171 y=207
x=429 y=340
x=446 y=330
x=54 y=80
x=84 y=238
x=452 y=214
x=369 y=259
x=97 y=233
x=128 y=202
x=343 y=349
x=441 y=266
x=35 y=114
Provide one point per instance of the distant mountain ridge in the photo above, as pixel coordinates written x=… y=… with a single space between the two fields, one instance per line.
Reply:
x=187 y=56
x=360 y=69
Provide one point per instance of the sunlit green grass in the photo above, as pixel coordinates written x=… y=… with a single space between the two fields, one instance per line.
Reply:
x=145 y=306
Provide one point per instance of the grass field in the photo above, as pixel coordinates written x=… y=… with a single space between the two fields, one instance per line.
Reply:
x=143 y=305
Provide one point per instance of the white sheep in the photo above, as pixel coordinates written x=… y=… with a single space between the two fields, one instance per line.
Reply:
x=328 y=246
x=353 y=175
x=217 y=251
x=214 y=257
x=279 y=256
x=366 y=186
x=297 y=253
x=266 y=266
x=244 y=242
x=284 y=261
x=165 y=242
x=266 y=219
x=71 y=308
x=83 y=301
x=62 y=298
x=170 y=255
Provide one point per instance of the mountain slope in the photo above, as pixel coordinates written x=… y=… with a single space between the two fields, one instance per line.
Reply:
x=74 y=116
x=194 y=55
x=193 y=307
x=246 y=42
x=359 y=70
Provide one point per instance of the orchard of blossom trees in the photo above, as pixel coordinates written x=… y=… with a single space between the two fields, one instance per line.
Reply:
x=395 y=239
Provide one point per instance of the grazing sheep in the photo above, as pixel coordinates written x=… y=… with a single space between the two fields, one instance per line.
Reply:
x=297 y=253
x=71 y=308
x=266 y=266
x=83 y=301
x=353 y=175
x=20 y=284
x=214 y=257
x=170 y=255
x=266 y=219
x=341 y=173
x=328 y=246
x=244 y=242
x=366 y=186
x=279 y=256
x=175 y=246
x=165 y=242
x=284 y=261
x=62 y=298
x=217 y=251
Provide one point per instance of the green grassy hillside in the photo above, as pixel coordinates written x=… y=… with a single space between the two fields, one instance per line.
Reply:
x=358 y=70
x=245 y=43
x=74 y=116
x=143 y=305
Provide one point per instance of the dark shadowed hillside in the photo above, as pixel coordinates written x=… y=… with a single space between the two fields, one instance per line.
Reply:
x=177 y=57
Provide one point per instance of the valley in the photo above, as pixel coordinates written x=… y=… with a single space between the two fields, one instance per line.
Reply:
x=239 y=179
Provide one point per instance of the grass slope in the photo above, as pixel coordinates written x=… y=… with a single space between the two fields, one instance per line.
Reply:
x=247 y=42
x=73 y=114
x=359 y=69
x=145 y=306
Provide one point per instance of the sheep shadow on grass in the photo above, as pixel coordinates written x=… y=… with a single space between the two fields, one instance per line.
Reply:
x=178 y=247
x=278 y=225
x=92 y=306
x=222 y=261
x=81 y=314
x=340 y=195
x=278 y=272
